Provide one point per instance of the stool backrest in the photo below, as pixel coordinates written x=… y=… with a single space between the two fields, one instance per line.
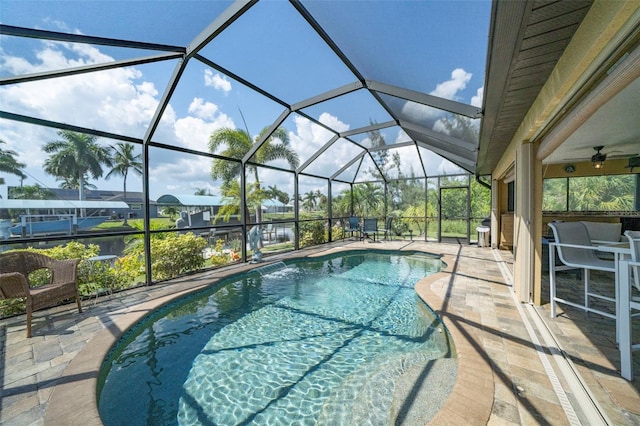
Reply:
x=573 y=233
x=634 y=244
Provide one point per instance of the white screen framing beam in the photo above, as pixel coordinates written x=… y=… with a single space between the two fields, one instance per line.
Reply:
x=465 y=163
x=460 y=145
x=339 y=91
x=392 y=146
x=80 y=38
x=317 y=153
x=372 y=127
x=424 y=99
x=89 y=68
x=70 y=127
x=164 y=101
x=358 y=157
x=256 y=146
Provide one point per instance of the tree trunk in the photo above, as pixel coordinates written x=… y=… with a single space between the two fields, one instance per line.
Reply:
x=83 y=212
x=124 y=196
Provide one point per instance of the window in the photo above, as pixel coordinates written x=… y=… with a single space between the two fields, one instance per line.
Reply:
x=590 y=193
x=511 y=196
x=555 y=195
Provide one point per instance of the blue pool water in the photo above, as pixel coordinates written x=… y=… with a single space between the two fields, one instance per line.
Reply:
x=318 y=342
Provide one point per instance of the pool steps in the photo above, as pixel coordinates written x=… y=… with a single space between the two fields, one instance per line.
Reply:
x=370 y=394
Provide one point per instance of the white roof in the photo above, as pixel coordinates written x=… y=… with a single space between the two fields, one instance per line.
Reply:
x=189 y=200
x=61 y=204
x=273 y=203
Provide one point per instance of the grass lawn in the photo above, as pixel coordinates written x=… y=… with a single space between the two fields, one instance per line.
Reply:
x=118 y=225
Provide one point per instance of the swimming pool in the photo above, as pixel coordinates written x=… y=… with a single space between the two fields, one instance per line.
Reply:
x=321 y=341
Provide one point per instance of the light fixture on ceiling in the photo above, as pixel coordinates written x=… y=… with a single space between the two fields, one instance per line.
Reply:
x=597 y=159
x=633 y=162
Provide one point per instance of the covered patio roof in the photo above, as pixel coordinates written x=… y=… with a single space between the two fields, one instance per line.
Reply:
x=597 y=99
x=62 y=204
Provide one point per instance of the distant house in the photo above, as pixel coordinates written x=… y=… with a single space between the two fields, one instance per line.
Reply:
x=134 y=200
x=196 y=210
x=275 y=206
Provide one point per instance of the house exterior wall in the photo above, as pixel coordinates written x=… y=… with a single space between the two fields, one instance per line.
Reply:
x=597 y=38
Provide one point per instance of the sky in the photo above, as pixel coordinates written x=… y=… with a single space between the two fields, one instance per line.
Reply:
x=434 y=47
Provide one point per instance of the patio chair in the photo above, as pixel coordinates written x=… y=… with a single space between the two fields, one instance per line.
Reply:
x=632 y=274
x=634 y=244
x=576 y=252
x=370 y=229
x=353 y=225
x=386 y=231
x=15 y=268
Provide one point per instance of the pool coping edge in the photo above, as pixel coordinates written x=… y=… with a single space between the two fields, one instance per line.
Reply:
x=73 y=400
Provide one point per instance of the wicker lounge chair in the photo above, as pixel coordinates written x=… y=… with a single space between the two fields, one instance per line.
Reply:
x=15 y=268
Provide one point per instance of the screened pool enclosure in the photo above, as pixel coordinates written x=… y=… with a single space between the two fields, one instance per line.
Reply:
x=209 y=119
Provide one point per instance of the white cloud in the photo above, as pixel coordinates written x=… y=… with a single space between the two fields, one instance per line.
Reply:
x=113 y=100
x=183 y=175
x=121 y=101
x=476 y=100
x=309 y=137
x=435 y=164
x=216 y=81
x=449 y=89
x=202 y=109
x=440 y=127
x=194 y=132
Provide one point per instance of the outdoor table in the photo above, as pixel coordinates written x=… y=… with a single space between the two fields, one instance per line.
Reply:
x=111 y=259
x=103 y=258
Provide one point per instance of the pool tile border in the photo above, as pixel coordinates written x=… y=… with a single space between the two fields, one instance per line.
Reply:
x=471 y=399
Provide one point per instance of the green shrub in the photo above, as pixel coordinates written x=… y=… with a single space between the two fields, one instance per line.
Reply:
x=220 y=256
x=176 y=254
x=312 y=233
x=336 y=233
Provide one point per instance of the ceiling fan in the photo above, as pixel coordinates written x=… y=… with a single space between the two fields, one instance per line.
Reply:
x=598 y=159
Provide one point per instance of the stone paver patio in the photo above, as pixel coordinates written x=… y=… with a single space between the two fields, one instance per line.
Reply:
x=507 y=371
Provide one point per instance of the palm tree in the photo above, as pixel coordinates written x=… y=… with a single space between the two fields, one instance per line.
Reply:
x=9 y=164
x=341 y=203
x=30 y=192
x=367 y=199
x=274 y=193
x=123 y=161
x=321 y=200
x=71 y=182
x=238 y=143
x=202 y=191
x=76 y=156
x=309 y=201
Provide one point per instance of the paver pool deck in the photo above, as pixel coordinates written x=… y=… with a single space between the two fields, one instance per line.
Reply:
x=509 y=372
